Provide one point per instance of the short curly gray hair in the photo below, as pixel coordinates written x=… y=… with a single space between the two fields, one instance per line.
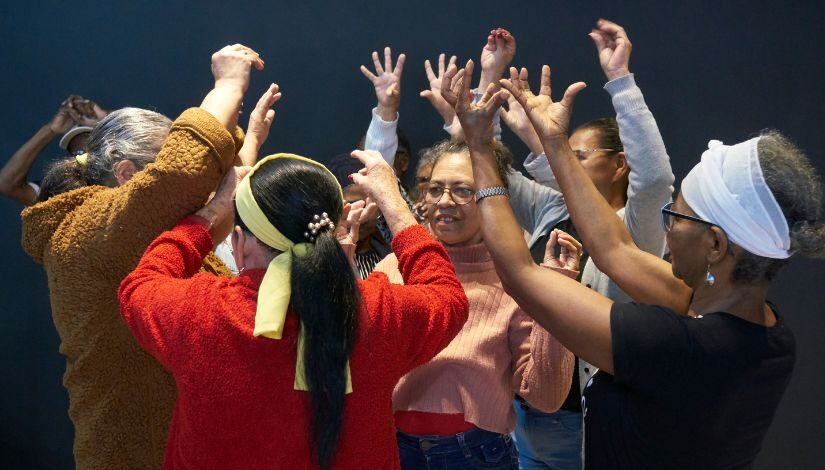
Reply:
x=798 y=191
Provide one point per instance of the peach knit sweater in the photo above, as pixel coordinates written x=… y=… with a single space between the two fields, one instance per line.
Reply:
x=499 y=352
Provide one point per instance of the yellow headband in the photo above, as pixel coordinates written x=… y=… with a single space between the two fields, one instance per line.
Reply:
x=276 y=286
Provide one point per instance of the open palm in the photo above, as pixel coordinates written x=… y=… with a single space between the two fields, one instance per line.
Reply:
x=386 y=79
x=551 y=119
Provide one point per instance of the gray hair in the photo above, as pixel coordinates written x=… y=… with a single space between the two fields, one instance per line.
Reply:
x=132 y=134
x=798 y=191
x=502 y=154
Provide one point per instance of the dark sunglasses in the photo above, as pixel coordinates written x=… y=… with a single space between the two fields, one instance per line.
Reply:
x=669 y=217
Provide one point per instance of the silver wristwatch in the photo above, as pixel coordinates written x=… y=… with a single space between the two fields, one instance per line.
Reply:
x=491 y=191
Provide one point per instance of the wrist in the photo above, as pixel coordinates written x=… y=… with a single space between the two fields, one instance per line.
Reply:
x=47 y=129
x=231 y=85
x=386 y=113
x=614 y=74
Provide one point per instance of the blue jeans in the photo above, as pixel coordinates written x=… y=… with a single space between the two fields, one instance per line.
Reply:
x=548 y=440
x=466 y=450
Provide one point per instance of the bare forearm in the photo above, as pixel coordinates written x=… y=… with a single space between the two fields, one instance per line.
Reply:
x=500 y=222
x=14 y=173
x=396 y=213
x=224 y=102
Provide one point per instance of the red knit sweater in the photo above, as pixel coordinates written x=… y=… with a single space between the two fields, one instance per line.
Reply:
x=236 y=405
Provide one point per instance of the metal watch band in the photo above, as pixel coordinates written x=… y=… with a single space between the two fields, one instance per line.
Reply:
x=491 y=191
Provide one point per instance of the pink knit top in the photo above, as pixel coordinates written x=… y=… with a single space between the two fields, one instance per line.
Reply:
x=500 y=352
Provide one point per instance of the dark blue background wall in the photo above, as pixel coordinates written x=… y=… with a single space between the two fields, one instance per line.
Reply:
x=721 y=70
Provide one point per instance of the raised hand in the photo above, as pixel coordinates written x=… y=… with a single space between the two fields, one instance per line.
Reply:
x=62 y=120
x=387 y=83
x=433 y=95
x=231 y=66
x=516 y=119
x=379 y=183
x=614 y=48
x=569 y=254
x=220 y=210
x=85 y=112
x=476 y=119
x=496 y=56
x=260 y=120
x=551 y=119
x=352 y=217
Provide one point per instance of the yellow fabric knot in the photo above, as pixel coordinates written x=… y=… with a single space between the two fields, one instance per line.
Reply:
x=276 y=286
x=82 y=159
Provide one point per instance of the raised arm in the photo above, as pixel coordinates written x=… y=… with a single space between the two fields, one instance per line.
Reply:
x=651 y=177
x=578 y=317
x=610 y=245
x=197 y=152
x=381 y=134
x=14 y=174
x=421 y=317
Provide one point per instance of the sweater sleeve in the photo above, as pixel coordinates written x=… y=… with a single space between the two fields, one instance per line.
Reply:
x=156 y=298
x=420 y=318
x=194 y=156
x=530 y=200
x=382 y=137
x=651 y=177
x=542 y=367
x=539 y=168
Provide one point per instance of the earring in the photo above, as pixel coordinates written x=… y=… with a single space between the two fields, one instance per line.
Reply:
x=710 y=279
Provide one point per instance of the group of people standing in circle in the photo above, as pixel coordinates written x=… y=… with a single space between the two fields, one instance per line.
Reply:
x=221 y=310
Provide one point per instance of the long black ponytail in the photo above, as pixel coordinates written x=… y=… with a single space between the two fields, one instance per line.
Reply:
x=324 y=291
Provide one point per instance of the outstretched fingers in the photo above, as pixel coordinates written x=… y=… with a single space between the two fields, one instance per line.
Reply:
x=570 y=94
x=377 y=63
x=546 y=89
x=399 y=65
x=371 y=76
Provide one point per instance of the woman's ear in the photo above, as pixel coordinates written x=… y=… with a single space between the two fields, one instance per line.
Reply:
x=622 y=168
x=238 y=241
x=718 y=243
x=124 y=170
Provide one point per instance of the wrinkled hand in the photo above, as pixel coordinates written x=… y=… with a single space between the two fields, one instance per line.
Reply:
x=569 y=254
x=220 y=210
x=352 y=217
x=231 y=66
x=387 y=81
x=496 y=56
x=260 y=121
x=550 y=119
x=433 y=95
x=62 y=120
x=377 y=178
x=476 y=119
x=516 y=119
x=613 y=47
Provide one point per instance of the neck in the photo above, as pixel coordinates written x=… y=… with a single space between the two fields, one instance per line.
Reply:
x=744 y=301
x=614 y=196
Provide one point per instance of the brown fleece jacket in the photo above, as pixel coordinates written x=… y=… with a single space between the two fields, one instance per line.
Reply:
x=89 y=239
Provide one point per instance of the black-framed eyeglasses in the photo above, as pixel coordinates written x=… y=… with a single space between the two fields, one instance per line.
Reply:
x=461 y=195
x=669 y=217
x=581 y=154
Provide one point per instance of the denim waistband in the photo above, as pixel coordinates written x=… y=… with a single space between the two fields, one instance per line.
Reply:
x=437 y=444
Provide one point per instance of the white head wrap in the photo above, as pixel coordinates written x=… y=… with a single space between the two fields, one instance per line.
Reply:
x=728 y=189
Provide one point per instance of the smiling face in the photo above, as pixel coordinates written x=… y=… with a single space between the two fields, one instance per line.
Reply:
x=453 y=224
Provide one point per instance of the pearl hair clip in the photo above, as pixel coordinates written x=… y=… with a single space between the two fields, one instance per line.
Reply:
x=319 y=222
